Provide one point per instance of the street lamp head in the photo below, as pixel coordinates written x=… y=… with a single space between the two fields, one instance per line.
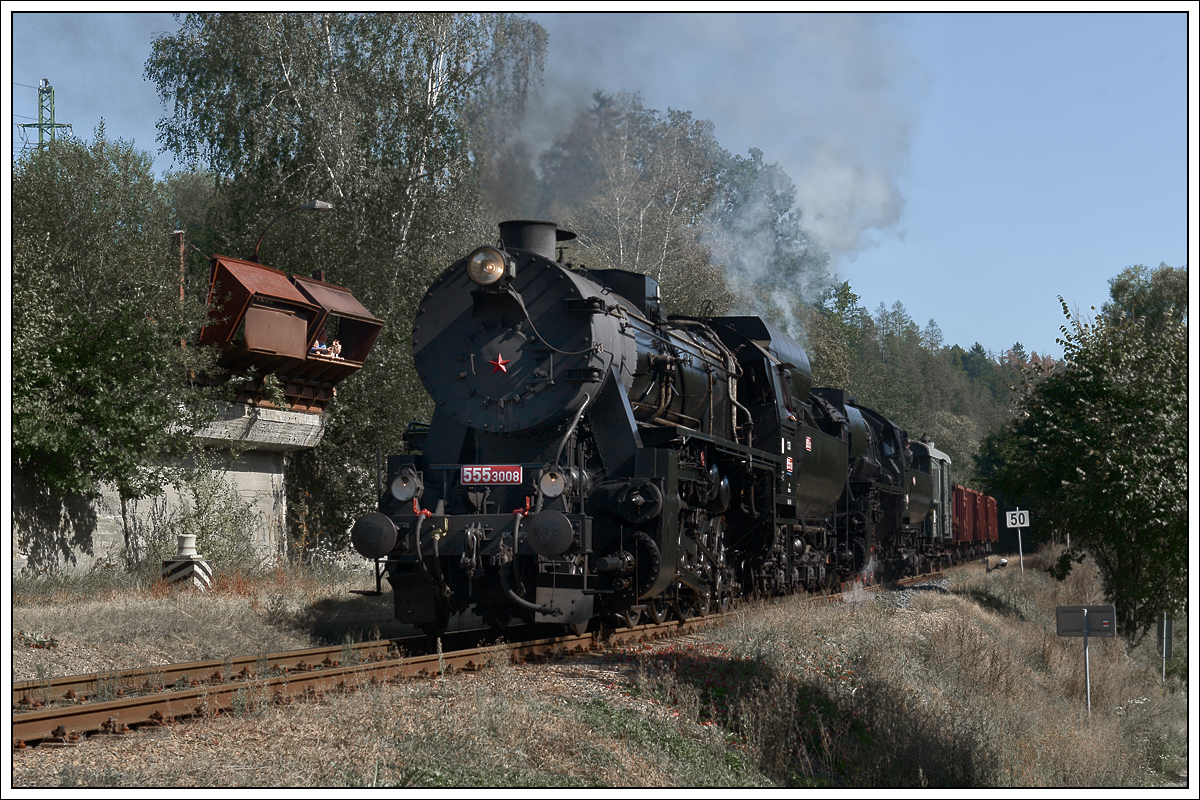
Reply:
x=311 y=205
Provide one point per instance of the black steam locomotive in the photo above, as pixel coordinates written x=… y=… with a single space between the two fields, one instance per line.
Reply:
x=591 y=457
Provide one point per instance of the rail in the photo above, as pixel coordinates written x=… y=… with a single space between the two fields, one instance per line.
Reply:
x=64 y=710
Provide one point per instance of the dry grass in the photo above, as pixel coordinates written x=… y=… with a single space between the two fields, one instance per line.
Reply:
x=495 y=728
x=966 y=687
x=100 y=622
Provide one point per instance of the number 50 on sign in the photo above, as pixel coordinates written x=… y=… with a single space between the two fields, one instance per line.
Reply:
x=1018 y=519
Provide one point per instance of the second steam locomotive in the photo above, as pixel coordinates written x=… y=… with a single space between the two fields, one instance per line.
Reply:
x=591 y=457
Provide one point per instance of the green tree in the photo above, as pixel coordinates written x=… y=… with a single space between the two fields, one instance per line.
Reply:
x=907 y=374
x=633 y=183
x=1158 y=297
x=393 y=118
x=1100 y=449
x=102 y=388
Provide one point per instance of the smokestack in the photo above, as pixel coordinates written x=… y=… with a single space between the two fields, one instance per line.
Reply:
x=536 y=237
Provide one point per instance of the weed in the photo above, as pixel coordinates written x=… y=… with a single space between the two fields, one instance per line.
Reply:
x=107 y=687
x=276 y=610
x=350 y=657
x=239 y=704
x=155 y=680
x=212 y=510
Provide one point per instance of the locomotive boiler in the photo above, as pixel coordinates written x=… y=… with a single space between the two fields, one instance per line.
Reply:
x=591 y=457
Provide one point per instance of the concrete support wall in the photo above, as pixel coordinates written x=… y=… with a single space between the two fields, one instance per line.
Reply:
x=49 y=534
x=265 y=429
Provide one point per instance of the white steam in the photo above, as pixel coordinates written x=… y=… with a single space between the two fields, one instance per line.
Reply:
x=827 y=97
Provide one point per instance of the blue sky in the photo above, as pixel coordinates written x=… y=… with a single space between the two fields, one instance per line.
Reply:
x=970 y=166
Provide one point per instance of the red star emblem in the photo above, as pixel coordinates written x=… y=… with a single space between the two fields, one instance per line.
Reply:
x=500 y=364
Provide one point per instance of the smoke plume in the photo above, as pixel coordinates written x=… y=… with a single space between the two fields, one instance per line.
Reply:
x=827 y=97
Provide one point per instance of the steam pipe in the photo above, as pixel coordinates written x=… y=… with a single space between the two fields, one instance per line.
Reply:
x=571 y=427
x=421 y=515
x=549 y=611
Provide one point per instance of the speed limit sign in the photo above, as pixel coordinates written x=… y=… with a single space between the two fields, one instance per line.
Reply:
x=1019 y=519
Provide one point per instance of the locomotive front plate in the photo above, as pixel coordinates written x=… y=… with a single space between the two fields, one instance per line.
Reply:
x=492 y=475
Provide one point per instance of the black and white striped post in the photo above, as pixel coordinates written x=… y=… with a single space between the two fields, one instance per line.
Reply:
x=188 y=568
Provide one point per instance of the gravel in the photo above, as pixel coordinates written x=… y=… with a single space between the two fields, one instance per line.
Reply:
x=901 y=599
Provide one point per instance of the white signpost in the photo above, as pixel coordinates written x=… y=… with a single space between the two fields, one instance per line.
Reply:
x=1019 y=519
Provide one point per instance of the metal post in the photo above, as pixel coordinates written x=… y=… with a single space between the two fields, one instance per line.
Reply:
x=1087 y=667
x=45 y=124
x=311 y=205
x=182 y=264
x=1021 y=550
x=1164 y=648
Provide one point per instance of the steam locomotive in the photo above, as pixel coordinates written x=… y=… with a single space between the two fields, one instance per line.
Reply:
x=591 y=457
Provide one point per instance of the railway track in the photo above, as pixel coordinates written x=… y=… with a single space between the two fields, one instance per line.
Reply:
x=63 y=711
x=69 y=713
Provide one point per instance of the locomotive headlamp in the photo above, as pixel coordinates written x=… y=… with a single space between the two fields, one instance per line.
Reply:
x=407 y=485
x=553 y=482
x=487 y=265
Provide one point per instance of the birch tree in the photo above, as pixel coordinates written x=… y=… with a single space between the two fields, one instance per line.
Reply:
x=390 y=117
x=634 y=183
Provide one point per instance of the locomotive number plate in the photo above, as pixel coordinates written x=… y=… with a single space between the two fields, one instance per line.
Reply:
x=492 y=475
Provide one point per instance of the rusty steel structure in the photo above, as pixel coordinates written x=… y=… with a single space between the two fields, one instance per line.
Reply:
x=269 y=323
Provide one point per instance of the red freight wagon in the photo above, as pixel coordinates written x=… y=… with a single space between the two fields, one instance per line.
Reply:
x=976 y=523
x=981 y=526
x=964 y=514
x=993 y=520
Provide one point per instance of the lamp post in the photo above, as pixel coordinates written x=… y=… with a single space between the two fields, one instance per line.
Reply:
x=311 y=205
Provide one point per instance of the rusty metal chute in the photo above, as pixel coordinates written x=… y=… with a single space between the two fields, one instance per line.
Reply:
x=240 y=286
x=357 y=327
x=267 y=323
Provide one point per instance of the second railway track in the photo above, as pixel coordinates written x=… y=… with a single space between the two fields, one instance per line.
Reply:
x=65 y=710
x=70 y=715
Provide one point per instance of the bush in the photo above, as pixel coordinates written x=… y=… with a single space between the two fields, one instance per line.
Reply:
x=212 y=510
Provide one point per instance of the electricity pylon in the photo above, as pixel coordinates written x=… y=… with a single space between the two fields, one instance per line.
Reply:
x=46 y=125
